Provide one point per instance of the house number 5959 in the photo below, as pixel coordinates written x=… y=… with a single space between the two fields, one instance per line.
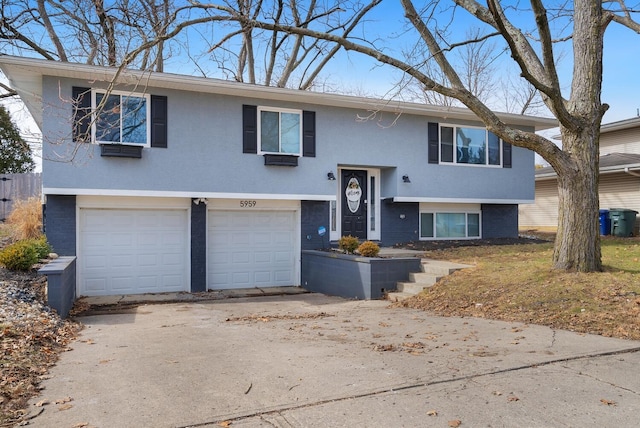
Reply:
x=247 y=204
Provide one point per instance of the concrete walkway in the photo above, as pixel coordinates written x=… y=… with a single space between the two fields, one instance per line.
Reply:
x=309 y=360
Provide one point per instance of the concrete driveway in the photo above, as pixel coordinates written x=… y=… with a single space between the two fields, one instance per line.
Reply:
x=309 y=360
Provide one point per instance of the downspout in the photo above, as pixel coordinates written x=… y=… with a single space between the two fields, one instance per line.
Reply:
x=628 y=171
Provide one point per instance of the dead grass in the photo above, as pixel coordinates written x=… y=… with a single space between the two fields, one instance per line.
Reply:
x=516 y=283
x=25 y=220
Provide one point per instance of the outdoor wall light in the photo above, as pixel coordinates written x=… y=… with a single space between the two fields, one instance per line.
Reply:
x=405 y=179
x=330 y=176
x=197 y=201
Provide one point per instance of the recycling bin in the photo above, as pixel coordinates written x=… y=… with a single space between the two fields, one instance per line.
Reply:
x=622 y=221
x=605 y=222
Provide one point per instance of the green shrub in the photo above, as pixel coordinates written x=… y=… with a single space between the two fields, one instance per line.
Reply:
x=369 y=249
x=19 y=256
x=42 y=246
x=348 y=244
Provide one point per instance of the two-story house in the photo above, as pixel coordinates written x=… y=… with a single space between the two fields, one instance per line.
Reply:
x=619 y=185
x=160 y=182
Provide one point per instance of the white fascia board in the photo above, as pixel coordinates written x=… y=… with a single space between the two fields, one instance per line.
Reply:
x=25 y=75
x=177 y=194
x=461 y=200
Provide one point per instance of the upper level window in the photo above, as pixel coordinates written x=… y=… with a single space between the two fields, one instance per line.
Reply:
x=280 y=131
x=468 y=145
x=121 y=118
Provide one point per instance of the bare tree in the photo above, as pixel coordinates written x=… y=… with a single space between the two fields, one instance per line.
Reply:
x=577 y=245
x=476 y=65
x=143 y=34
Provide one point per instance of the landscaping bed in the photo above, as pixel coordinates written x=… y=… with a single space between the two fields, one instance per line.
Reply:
x=31 y=339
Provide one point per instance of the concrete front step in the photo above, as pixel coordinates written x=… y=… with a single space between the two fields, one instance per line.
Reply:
x=398 y=296
x=412 y=287
x=440 y=267
x=426 y=278
x=432 y=272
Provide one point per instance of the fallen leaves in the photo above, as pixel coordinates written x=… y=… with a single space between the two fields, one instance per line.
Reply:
x=514 y=283
x=268 y=318
x=608 y=402
x=31 y=338
x=455 y=423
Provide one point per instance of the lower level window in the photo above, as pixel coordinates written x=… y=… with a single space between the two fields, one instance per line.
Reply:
x=449 y=225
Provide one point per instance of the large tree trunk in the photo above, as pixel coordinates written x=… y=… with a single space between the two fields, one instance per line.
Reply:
x=577 y=245
x=578 y=240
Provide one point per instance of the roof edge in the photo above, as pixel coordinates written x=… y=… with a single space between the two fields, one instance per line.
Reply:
x=24 y=68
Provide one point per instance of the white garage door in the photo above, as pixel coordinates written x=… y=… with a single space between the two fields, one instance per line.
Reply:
x=132 y=251
x=248 y=249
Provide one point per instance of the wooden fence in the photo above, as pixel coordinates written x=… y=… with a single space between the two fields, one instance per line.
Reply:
x=15 y=187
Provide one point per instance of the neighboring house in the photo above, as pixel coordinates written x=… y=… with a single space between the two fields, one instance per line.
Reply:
x=179 y=183
x=619 y=178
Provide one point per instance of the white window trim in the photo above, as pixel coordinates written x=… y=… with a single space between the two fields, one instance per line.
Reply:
x=259 y=130
x=455 y=126
x=450 y=211
x=147 y=99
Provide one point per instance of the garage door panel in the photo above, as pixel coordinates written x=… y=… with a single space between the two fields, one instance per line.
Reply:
x=96 y=285
x=121 y=261
x=246 y=249
x=262 y=257
x=282 y=256
x=240 y=238
x=148 y=260
x=240 y=258
x=133 y=251
x=263 y=238
x=241 y=279
x=283 y=275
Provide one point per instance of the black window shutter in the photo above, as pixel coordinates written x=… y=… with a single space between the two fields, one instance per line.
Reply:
x=434 y=142
x=249 y=129
x=506 y=155
x=81 y=114
x=159 y=121
x=309 y=134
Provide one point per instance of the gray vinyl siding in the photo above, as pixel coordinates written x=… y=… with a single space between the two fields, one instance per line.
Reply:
x=617 y=190
x=620 y=191
x=544 y=212
x=204 y=154
x=624 y=141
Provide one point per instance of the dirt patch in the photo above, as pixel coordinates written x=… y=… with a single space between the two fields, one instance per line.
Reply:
x=525 y=239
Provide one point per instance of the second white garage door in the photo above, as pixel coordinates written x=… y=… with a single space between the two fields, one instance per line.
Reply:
x=130 y=251
x=249 y=249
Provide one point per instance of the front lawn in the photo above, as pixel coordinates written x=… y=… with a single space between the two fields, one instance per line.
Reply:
x=516 y=283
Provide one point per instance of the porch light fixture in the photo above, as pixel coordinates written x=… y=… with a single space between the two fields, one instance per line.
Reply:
x=405 y=179
x=330 y=176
